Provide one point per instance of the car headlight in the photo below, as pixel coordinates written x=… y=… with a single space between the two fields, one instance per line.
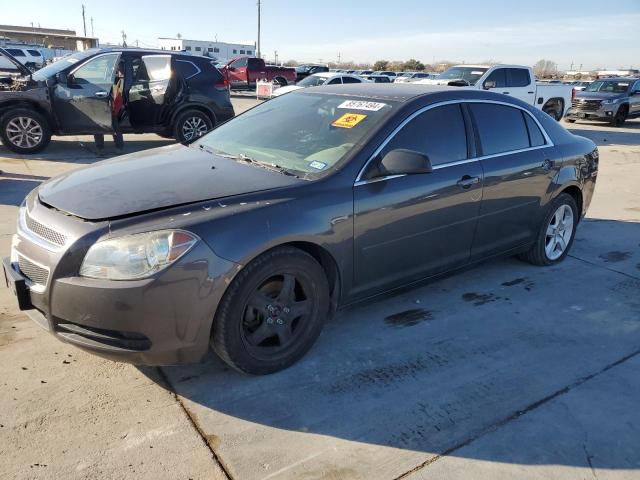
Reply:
x=611 y=101
x=136 y=256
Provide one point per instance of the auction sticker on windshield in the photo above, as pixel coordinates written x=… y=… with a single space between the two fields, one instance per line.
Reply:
x=349 y=120
x=362 y=105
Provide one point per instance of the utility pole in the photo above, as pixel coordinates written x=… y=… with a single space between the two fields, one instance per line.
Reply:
x=339 y=57
x=258 y=30
x=275 y=54
x=124 y=39
x=84 y=23
x=92 y=34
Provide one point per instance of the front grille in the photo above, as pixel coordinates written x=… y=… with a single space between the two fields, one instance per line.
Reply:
x=33 y=272
x=590 y=105
x=44 y=232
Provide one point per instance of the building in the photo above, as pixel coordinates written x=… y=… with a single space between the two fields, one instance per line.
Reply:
x=618 y=73
x=219 y=51
x=47 y=37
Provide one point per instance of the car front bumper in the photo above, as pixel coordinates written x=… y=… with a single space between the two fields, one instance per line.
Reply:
x=606 y=113
x=165 y=319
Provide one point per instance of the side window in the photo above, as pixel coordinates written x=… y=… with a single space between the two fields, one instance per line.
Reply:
x=97 y=71
x=499 y=77
x=637 y=87
x=35 y=53
x=351 y=80
x=335 y=81
x=439 y=133
x=501 y=128
x=16 y=52
x=158 y=67
x=536 y=138
x=186 y=69
x=518 y=77
x=240 y=63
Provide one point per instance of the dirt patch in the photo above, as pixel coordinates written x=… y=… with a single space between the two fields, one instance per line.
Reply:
x=614 y=256
x=516 y=281
x=479 y=298
x=408 y=318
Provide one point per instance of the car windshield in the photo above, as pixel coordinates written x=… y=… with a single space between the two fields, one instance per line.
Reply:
x=608 y=86
x=305 y=133
x=312 y=81
x=470 y=74
x=60 y=65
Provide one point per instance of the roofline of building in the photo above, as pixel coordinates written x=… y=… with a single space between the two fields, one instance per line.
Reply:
x=47 y=34
x=206 y=41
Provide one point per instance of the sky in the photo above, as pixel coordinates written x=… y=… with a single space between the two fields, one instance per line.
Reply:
x=587 y=33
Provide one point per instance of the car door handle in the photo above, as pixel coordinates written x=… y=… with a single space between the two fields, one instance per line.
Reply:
x=530 y=93
x=547 y=165
x=101 y=94
x=467 y=181
x=505 y=93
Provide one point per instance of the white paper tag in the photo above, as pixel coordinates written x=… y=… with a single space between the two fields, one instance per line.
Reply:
x=362 y=105
x=318 y=165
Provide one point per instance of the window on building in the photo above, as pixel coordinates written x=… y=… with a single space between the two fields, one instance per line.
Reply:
x=187 y=48
x=249 y=52
x=216 y=50
x=209 y=49
x=235 y=51
x=241 y=52
x=198 y=49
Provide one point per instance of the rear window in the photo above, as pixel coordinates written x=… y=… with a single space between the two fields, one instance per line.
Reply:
x=16 y=52
x=535 y=135
x=35 y=53
x=501 y=128
x=186 y=69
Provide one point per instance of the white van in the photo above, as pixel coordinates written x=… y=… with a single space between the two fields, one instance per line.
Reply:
x=29 y=57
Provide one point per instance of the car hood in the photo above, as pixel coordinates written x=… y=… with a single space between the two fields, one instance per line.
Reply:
x=155 y=179
x=598 y=95
x=282 y=90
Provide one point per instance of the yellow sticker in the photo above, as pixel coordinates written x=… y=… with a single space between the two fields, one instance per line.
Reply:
x=349 y=120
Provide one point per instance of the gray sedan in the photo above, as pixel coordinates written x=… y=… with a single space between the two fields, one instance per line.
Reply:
x=247 y=240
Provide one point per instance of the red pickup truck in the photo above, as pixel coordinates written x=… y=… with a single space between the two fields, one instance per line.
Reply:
x=243 y=73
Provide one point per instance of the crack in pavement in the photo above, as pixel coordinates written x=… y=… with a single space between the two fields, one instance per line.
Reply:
x=519 y=413
x=195 y=424
x=604 y=267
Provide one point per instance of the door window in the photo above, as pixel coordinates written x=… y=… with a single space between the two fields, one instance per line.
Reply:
x=499 y=77
x=351 y=80
x=518 y=77
x=158 y=67
x=97 y=71
x=439 y=133
x=335 y=81
x=501 y=128
x=536 y=138
x=240 y=63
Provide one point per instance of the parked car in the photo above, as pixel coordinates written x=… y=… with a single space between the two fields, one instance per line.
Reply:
x=392 y=75
x=303 y=71
x=248 y=239
x=317 y=79
x=514 y=80
x=377 y=78
x=167 y=93
x=613 y=100
x=366 y=72
x=411 y=77
x=243 y=73
x=29 y=57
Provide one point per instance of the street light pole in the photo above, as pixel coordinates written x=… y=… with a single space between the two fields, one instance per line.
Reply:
x=259 y=56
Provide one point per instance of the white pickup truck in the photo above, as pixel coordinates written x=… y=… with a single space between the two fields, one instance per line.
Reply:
x=514 y=80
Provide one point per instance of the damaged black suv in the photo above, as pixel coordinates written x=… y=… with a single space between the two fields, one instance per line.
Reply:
x=107 y=91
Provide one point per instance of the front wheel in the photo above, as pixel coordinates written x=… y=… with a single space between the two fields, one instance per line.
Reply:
x=556 y=234
x=191 y=125
x=24 y=131
x=620 y=116
x=272 y=312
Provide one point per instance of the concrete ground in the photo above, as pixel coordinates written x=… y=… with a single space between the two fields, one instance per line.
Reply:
x=503 y=371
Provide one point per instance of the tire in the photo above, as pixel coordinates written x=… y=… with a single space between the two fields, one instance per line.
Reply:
x=539 y=252
x=20 y=121
x=256 y=329
x=620 y=116
x=555 y=112
x=281 y=81
x=191 y=125
x=569 y=120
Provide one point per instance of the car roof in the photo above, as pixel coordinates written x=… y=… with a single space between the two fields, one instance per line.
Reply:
x=618 y=79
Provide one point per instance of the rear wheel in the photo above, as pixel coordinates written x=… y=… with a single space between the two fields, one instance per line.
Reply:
x=24 y=131
x=554 y=109
x=280 y=81
x=191 y=125
x=620 y=116
x=556 y=233
x=272 y=312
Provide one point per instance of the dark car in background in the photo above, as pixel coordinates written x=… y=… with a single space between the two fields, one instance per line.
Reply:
x=172 y=94
x=303 y=71
x=262 y=228
x=378 y=78
x=612 y=100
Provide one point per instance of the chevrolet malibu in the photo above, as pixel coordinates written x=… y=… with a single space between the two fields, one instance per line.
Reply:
x=248 y=239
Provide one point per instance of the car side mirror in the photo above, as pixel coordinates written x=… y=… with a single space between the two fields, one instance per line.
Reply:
x=62 y=78
x=405 y=162
x=489 y=84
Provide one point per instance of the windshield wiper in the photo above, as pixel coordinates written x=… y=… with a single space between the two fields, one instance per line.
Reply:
x=244 y=158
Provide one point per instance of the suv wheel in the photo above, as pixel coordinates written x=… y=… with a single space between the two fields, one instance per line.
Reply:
x=621 y=116
x=191 y=125
x=556 y=234
x=24 y=131
x=272 y=312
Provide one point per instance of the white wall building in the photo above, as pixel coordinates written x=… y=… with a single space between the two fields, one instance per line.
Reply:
x=220 y=51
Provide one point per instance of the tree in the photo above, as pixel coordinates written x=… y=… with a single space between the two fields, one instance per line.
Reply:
x=413 y=65
x=545 y=68
x=380 y=65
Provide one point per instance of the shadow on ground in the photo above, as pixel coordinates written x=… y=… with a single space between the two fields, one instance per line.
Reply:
x=432 y=369
x=607 y=135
